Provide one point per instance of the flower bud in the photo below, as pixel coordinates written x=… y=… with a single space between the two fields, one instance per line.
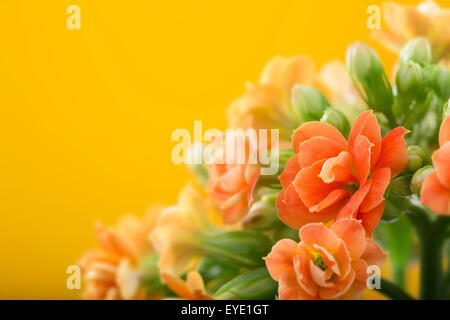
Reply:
x=337 y=119
x=252 y=285
x=243 y=248
x=419 y=177
x=417 y=50
x=417 y=158
x=262 y=214
x=369 y=77
x=409 y=79
x=308 y=103
x=442 y=82
x=399 y=187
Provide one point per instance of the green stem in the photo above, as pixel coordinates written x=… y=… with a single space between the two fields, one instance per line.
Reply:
x=390 y=290
x=431 y=235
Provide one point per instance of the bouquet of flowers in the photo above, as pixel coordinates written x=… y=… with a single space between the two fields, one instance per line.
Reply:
x=322 y=174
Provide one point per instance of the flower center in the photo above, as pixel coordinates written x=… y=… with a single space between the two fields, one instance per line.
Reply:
x=318 y=261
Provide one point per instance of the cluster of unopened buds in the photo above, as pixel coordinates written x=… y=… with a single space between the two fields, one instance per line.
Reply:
x=364 y=164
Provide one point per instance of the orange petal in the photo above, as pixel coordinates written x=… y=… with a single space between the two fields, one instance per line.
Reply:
x=317 y=148
x=319 y=276
x=335 y=197
x=362 y=149
x=340 y=288
x=310 y=187
x=338 y=168
x=315 y=128
x=318 y=234
x=373 y=255
x=444 y=132
x=280 y=259
x=370 y=219
x=366 y=125
x=380 y=181
x=343 y=260
x=289 y=289
x=434 y=195
x=353 y=234
x=178 y=286
x=394 y=154
x=303 y=273
x=295 y=214
x=350 y=209
x=441 y=161
x=290 y=171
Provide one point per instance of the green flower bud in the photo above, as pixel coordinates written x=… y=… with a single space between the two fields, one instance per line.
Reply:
x=253 y=285
x=442 y=82
x=419 y=177
x=417 y=158
x=244 y=248
x=369 y=78
x=337 y=119
x=417 y=50
x=399 y=187
x=409 y=79
x=308 y=103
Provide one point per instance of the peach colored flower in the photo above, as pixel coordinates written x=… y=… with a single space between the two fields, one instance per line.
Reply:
x=327 y=263
x=231 y=181
x=435 y=192
x=330 y=177
x=191 y=289
x=426 y=20
x=111 y=272
x=267 y=105
x=177 y=236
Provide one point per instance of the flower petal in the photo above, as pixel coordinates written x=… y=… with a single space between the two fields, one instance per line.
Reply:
x=290 y=171
x=435 y=195
x=315 y=128
x=362 y=149
x=280 y=259
x=289 y=289
x=366 y=125
x=352 y=233
x=350 y=209
x=319 y=234
x=370 y=219
x=373 y=255
x=444 y=131
x=441 y=161
x=380 y=181
x=394 y=154
x=318 y=148
x=310 y=187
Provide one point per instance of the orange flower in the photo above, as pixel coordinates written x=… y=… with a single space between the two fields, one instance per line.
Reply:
x=267 y=105
x=326 y=264
x=111 y=272
x=330 y=178
x=191 y=289
x=231 y=182
x=426 y=20
x=435 y=192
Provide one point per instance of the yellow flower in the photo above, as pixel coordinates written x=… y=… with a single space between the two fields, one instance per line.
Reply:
x=267 y=104
x=180 y=229
x=426 y=20
x=191 y=289
x=111 y=272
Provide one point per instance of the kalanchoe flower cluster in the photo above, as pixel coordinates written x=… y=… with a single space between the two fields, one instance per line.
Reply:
x=362 y=160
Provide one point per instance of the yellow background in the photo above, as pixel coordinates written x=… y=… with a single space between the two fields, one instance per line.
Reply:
x=87 y=115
